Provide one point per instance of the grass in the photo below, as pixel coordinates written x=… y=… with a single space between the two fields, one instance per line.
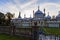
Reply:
x=50 y=30
x=47 y=30
x=9 y=37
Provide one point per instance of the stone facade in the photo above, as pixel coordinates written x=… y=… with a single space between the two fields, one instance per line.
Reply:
x=41 y=20
x=48 y=37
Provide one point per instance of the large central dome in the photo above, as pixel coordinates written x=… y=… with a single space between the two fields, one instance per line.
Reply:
x=38 y=12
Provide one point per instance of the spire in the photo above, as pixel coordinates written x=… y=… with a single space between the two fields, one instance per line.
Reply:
x=44 y=10
x=33 y=13
x=38 y=7
x=24 y=15
x=19 y=15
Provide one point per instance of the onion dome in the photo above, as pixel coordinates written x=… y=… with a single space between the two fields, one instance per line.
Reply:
x=48 y=16
x=38 y=12
x=25 y=17
x=58 y=16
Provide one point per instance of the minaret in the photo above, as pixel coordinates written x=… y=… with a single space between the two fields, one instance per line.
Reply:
x=19 y=15
x=44 y=11
x=33 y=14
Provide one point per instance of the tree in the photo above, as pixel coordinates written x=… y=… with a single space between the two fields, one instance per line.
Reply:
x=9 y=17
x=2 y=15
x=2 y=18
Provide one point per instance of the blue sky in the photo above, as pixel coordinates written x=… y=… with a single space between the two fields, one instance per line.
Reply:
x=27 y=7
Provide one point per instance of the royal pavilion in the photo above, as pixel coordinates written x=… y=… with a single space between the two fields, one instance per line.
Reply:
x=39 y=17
x=50 y=25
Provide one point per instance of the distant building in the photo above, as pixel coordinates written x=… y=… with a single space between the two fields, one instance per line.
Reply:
x=38 y=17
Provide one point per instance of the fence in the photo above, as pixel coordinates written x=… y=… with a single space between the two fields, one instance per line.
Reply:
x=12 y=30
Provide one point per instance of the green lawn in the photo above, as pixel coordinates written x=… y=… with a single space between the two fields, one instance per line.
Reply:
x=54 y=31
x=9 y=37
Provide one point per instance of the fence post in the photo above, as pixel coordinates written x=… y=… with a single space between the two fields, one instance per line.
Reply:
x=12 y=30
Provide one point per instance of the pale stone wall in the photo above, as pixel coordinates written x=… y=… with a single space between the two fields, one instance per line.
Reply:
x=48 y=37
x=53 y=25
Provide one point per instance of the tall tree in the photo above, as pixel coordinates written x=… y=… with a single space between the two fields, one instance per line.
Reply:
x=9 y=17
x=2 y=18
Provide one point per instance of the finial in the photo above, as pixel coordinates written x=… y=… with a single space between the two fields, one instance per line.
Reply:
x=44 y=10
x=33 y=13
x=24 y=15
x=33 y=10
x=19 y=12
x=38 y=7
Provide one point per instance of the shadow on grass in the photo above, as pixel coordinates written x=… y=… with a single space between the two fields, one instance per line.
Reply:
x=10 y=37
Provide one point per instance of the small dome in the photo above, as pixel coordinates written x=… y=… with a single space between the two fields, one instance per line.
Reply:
x=48 y=16
x=58 y=16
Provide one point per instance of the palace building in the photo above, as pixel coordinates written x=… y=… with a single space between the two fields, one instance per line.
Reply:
x=25 y=25
x=39 y=17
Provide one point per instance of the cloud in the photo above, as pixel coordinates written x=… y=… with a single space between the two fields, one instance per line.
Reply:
x=49 y=1
x=53 y=8
x=27 y=6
